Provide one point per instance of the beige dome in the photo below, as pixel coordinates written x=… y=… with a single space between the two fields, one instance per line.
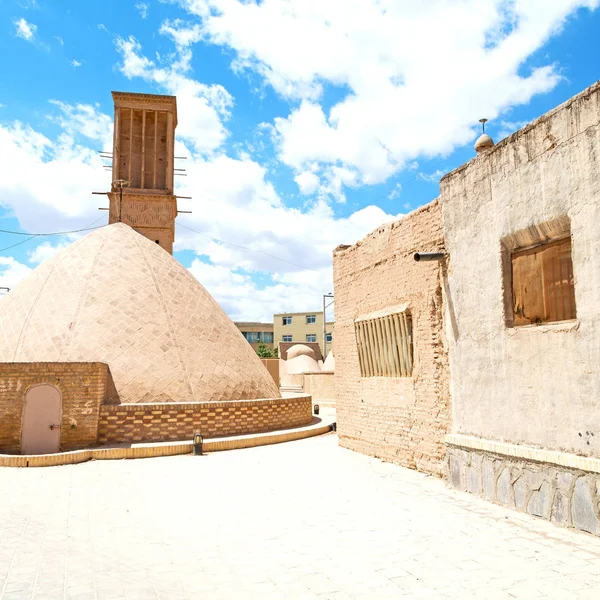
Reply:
x=484 y=142
x=329 y=364
x=116 y=297
x=300 y=350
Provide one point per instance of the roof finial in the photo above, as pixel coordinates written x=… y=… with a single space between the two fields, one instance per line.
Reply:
x=484 y=141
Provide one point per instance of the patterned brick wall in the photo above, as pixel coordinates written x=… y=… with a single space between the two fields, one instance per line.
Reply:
x=83 y=386
x=402 y=420
x=169 y=421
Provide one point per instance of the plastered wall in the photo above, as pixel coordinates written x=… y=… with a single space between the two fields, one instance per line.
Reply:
x=402 y=420
x=534 y=385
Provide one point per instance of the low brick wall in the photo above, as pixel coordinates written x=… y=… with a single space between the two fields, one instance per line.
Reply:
x=132 y=423
x=83 y=387
x=320 y=385
x=565 y=495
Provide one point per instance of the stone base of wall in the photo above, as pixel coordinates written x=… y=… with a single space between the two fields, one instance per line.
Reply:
x=566 y=496
x=134 y=423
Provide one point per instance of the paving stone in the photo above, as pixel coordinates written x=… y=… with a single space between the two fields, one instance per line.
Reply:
x=584 y=515
x=540 y=502
x=505 y=492
x=455 y=472
x=473 y=480
x=564 y=480
x=560 y=509
x=520 y=489
x=488 y=479
x=304 y=519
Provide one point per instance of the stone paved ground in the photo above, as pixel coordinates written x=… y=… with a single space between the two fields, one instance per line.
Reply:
x=299 y=520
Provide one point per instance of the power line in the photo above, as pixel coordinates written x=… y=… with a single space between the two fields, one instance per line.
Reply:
x=245 y=248
x=33 y=235
x=88 y=228
x=17 y=244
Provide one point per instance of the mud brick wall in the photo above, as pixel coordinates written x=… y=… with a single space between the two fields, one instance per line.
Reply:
x=83 y=387
x=170 y=421
x=320 y=385
x=401 y=420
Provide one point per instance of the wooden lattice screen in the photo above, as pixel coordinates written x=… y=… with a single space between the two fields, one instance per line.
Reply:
x=543 y=284
x=385 y=347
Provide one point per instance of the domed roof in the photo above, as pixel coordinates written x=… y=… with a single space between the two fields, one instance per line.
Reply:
x=329 y=364
x=116 y=297
x=483 y=143
x=300 y=350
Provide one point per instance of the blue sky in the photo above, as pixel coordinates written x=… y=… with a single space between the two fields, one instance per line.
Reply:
x=306 y=124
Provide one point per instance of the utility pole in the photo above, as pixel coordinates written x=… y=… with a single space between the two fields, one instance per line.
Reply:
x=330 y=295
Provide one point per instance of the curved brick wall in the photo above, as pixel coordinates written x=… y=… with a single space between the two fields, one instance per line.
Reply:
x=130 y=423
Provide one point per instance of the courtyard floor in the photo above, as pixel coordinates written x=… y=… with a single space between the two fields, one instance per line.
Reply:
x=304 y=519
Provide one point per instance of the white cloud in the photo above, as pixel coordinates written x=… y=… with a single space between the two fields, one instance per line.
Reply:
x=431 y=177
x=395 y=193
x=85 y=120
x=509 y=127
x=59 y=40
x=25 y=30
x=418 y=75
x=142 y=8
x=201 y=108
x=277 y=257
x=307 y=182
x=51 y=181
x=11 y=272
x=75 y=63
x=45 y=251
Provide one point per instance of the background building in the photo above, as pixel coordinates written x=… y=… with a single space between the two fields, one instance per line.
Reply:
x=256 y=333
x=302 y=327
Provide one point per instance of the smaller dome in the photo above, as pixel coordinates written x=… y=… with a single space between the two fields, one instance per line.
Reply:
x=329 y=364
x=300 y=350
x=484 y=142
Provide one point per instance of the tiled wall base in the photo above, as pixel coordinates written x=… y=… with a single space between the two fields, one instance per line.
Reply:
x=564 y=495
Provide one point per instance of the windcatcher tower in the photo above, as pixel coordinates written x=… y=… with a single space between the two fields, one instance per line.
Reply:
x=143 y=156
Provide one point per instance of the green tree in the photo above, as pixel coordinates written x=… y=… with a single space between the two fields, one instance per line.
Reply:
x=264 y=352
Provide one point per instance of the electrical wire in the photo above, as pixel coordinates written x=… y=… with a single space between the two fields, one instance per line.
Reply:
x=245 y=248
x=17 y=244
x=88 y=228
x=34 y=235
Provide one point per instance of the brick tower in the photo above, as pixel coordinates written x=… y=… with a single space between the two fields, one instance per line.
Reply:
x=143 y=155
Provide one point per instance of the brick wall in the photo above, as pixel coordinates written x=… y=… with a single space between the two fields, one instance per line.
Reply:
x=83 y=386
x=170 y=421
x=402 y=420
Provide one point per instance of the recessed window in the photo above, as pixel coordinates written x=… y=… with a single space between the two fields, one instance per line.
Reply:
x=385 y=345
x=311 y=319
x=311 y=337
x=329 y=337
x=267 y=337
x=251 y=336
x=287 y=320
x=543 y=289
x=287 y=338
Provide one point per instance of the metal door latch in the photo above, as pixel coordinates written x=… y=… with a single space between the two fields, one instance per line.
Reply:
x=54 y=426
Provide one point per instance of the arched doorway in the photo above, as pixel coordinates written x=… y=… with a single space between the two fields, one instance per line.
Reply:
x=41 y=420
